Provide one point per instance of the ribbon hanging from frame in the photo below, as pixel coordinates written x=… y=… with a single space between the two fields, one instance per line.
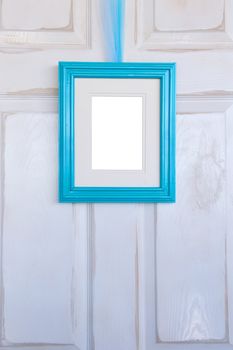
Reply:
x=112 y=17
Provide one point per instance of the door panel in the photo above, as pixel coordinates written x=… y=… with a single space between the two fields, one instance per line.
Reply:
x=191 y=236
x=112 y=276
x=37 y=234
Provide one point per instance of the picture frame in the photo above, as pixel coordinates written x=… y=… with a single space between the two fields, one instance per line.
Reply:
x=77 y=77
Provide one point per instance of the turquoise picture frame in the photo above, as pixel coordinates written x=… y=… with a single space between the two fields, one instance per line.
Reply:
x=166 y=72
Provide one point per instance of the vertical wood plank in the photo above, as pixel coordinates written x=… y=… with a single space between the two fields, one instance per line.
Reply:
x=229 y=219
x=38 y=235
x=114 y=277
x=146 y=281
x=191 y=303
x=2 y=146
x=82 y=290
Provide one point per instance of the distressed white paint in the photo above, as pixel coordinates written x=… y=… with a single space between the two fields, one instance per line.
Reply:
x=191 y=237
x=229 y=219
x=36 y=15
x=28 y=63
x=82 y=311
x=183 y=15
x=31 y=24
x=37 y=235
x=86 y=274
x=114 y=274
x=182 y=24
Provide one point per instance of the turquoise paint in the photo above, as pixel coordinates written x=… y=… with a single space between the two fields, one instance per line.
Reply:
x=112 y=13
x=68 y=71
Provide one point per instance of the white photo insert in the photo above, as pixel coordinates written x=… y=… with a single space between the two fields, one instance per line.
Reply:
x=117 y=133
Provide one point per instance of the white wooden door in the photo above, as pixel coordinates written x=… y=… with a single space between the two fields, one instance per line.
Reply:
x=112 y=276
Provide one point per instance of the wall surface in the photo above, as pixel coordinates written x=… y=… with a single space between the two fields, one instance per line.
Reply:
x=112 y=276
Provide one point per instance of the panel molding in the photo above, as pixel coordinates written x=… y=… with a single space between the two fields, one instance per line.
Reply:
x=203 y=102
x=78 y=37
x=147 y=38
x=39 y=347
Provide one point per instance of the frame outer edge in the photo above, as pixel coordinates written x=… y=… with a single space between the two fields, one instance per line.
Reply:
x=66 y=192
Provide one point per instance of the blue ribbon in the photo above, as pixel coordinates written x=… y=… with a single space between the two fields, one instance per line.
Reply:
x=113 y=25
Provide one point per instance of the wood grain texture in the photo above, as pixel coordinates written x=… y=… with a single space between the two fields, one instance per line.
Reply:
x=197 y=71
x=93 y=282
x=146 y=280
x=34 y=15
x=190 y=251
x=37 y=235
x=31 y=52
x=46 y=101
x=182 y=24
x=183 y=15
x=2 y=147
x=229 y=219
x=114 y=276
x=32 y=24
x=82 y=280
